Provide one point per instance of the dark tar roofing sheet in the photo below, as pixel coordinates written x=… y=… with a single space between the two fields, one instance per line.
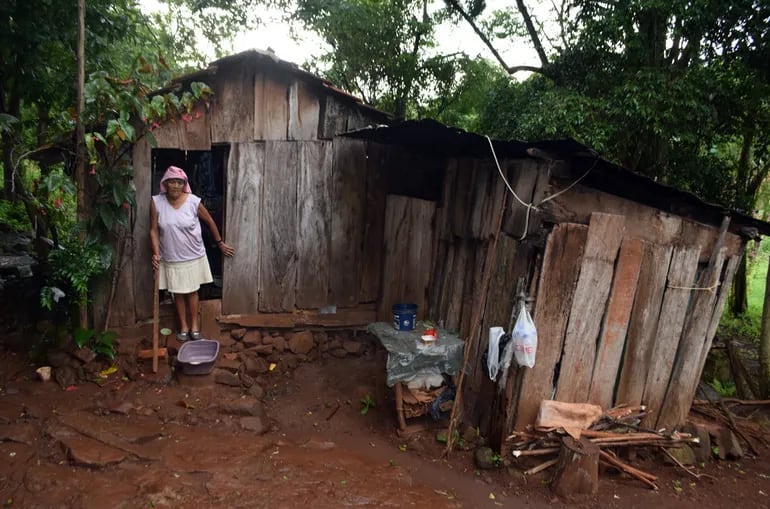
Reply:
x=432 y=137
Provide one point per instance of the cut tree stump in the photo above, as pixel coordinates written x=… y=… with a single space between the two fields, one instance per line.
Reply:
x=577 y=471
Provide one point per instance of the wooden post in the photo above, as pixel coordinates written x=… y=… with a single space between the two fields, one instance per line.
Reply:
x=155 y=320
x=577 y=471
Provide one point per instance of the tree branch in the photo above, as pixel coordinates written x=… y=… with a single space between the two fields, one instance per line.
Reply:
x=532 y=33
x=484 y=39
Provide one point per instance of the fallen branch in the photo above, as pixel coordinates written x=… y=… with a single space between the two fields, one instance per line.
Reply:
x=543 y=466
x=536 y=452
x=680 y=465
x=633 y=472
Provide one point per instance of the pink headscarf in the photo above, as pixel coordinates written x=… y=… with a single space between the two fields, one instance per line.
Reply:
x=174 y=172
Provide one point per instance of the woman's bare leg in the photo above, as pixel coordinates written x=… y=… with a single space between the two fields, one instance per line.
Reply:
x=192 y=308
x=181 y=315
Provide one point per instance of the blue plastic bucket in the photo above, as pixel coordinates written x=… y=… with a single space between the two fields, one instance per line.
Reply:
x=404 y=316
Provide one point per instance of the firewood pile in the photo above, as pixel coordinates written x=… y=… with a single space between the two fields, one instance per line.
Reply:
x=564 y=433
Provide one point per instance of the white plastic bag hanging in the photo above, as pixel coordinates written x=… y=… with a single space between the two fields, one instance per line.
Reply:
x=524 y=338
x=493 y=351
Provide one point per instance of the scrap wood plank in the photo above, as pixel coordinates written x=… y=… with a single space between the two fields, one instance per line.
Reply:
x=304 y=109
x=278 y=266
x=613 y=336
x=233 y=105
x=681 y=277
x=141 y=282
x=685 y=376
x=245 y=176
x=271 y=107
x=195 y=130
x=605 y=232
x=349 y=317
x=643 y=323
x=561 y=264
x=313 y=214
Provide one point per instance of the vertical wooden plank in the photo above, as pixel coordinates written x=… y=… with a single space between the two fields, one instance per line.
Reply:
x=374 y=223
x=141 y=251
x=482 y=188
x=444 y=212
x=561 y=264
x=523 y=176
x=333 y=118
x=304 y=110
x=195 y=129
x=406 y=268
x=613 y=336
x=209 y=311
x=348 y=193
x=278 y=267
x=454 y=302
x=605 y=232
x=462 y=194
x=245 y=176
x=232 y=106
x=356 y=119
x=271 y=107
x=681 y=277
x=313 y=202
x=499 y=302
x=643 y=324
x=685 y=374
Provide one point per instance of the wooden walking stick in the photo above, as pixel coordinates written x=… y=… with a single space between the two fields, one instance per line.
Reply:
x=155 y=320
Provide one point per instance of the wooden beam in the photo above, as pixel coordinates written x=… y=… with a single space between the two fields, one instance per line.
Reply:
x=353 y=317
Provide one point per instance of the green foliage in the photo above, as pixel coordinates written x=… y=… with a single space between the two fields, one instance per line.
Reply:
x=102 y=343
x=367 y=403
x=74 y=265
x=724 y=389
x=13 y=216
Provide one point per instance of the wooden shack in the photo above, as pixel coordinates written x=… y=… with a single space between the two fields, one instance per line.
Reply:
x=626 y=278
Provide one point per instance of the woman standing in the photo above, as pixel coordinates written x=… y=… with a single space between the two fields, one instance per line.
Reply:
x=177 y=247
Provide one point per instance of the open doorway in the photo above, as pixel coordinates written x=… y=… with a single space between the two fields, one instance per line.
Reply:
x=206 y=171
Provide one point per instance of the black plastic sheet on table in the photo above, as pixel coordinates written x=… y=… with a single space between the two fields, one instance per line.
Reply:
x=409 y=357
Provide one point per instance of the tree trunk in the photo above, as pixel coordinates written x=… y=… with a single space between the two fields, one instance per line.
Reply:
x=80 y=163
x=738 y=296
x=764 y=343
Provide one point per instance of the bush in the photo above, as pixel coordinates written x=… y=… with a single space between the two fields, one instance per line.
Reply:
x=13 y=216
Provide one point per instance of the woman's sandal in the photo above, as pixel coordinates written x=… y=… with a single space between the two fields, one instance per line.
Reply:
x=182 y=336
x=196 y=335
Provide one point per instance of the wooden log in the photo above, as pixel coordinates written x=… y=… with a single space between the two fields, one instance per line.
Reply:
x=605 y=233
x=613 y=336
x=563 y=255
x=535 y=452
x=577 y=470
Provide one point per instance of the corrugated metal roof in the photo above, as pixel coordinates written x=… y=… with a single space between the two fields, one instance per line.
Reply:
x=432 y=137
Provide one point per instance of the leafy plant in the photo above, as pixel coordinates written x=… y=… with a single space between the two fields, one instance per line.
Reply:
x=725 y=389
x=74 y=266
x=13 y=216
x=100 y=342
x=367 y=403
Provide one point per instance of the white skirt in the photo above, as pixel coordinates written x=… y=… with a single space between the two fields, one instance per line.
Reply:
x=184 y=277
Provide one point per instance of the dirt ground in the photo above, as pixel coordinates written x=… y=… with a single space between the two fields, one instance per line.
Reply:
x=164 y=442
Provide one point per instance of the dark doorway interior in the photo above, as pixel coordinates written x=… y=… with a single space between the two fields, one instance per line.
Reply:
x=206 y=171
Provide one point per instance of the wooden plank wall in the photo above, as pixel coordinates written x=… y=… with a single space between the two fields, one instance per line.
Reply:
x=605 y=232
x=233 y=105
x=245 y=181
x=278 y=267
x=348 y=190
x=408 y=248
x=561 y=266
x=142 y=277
x=314 y=217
